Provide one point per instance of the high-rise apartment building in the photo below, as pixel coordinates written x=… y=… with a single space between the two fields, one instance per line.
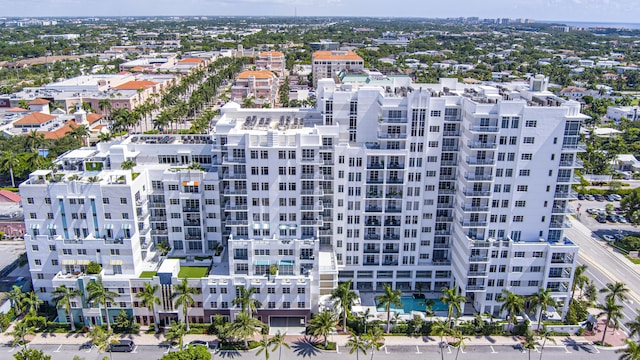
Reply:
x=326 y=64
x=421 y=187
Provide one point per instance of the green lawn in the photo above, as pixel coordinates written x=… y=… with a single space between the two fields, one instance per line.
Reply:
x=147 y=274
x=193 y=271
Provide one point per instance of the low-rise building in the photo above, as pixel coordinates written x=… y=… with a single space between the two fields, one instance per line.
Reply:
x=260 y=85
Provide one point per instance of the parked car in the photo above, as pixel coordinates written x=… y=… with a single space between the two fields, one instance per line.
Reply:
x=619 y=236
x=601 y=219
x=612 y=218
x=580 y=196
x=592 y=211
x=122 y=346
x=598 y=197
x=608 y=238
x=589 y=197
x=610 y=197
x=616 y=197
x=199 y=343
x=622 y=219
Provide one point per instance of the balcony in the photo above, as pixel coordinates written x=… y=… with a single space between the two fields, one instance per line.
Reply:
x=450 y=148
x=229 y=191
x=478 y=258
x=158 y=218
x=446 y=191
x=190 y=209
x=232 y=207
x=559 y=225
x=392 y=223
x=470 y=208
x=394 y=180
x=392 y=236
x=385 y=135
x=566 y=195
x=451 y=133
x=371 y=250
x=442 y=232
x=394 y=195
x=312 y=207
x=574 y=147
x=374 y=180
x=476 y=287
x=377 y=165
x=227 y=175
x=484 y=129
x=444 y=218
x=478 y=177
x=569 y=179
x=372 y=236
x=443 y=245
x=572 y=163
x=314 y=192
x=307 y=257
x=236 y=222
x=477 y=273
x=234 y=160
x=443 y=205
x=562 y=211
x=447 y=177
x=395 y=165
x=467 y=223
x=193 y=237
x=393 y=209
x=314 y=176
x=481 y=145
x=448 y=162
x=373 y=263
x=478 y=161
x=159 y=232
x=373 y=209
x=475 y=193
x=191 y=223
x=562 y=260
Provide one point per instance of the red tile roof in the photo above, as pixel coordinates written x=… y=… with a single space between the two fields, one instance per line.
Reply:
x=336 y=55
x=9 y=195
x=39 y=101
x=258 y=74
x=272 y=53
x=135 y=85
x=191 y=60
x=16 y=109
x=35 y=118
x=92 y=118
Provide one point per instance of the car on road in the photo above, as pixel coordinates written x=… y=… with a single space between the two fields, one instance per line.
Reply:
x=608 y=238
x=589 y=197
x=601 y=219
x=122 y=346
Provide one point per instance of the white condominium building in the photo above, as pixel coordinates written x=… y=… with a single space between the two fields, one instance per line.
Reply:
x=420 y=187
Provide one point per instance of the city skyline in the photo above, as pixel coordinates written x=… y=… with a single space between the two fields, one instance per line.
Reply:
x=550 y=10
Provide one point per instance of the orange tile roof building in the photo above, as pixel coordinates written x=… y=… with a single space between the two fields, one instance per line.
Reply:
x=262 y=85
x=271 y=60
x=325 y=64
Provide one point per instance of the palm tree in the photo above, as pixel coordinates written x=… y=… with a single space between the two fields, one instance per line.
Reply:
x=105 y=136
x=183 y=297
x=390 y=297
x=244 y=327
x=16 y=297
x=80 y=132
x=460 y=340
x=545 y=335
x=101 y=296
x=20 y=330
x=8 y=162
x=176 y=332
x=62 y=296
x=630 y=352
x=542 y=299
x=322 y=324
x=278 y=341
x=32 y=300
x=615 y=291
x=246 y=301
x=128 y=164
x=356 y=344
x=375 y=339
x=35 y=140
x=580 y=278
x=105 y=106
x=634 y=325
x=453 y=301
x=263 y=347
x=149 y=299
x=512 y=304
x=344 y=297
x=101 y=339
x=529 y=343
x=613 y=312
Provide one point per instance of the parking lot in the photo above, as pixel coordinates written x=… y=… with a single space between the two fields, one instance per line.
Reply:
x=599 y=229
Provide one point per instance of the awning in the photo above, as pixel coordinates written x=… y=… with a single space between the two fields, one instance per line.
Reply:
x=283 y=227
x=256 y=226
x=293 y=226
x=34 y=226
x=68 y=262
x=265 y=226
x=51 y=226
x=262 y=262
x=115 y=262
x=286 y=262
x=83 y=262
x=126 y=226
x=108 y=226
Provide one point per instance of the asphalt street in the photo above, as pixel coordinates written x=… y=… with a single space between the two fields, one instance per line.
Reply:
x=304 y=350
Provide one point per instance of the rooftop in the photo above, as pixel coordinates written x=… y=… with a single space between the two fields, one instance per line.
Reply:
x=34 y=118
x=258 y=74
x=336 y=55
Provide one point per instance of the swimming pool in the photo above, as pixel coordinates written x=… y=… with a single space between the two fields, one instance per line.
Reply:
x=409 y=304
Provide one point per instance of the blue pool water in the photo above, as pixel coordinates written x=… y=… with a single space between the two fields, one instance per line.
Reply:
x=410 y=304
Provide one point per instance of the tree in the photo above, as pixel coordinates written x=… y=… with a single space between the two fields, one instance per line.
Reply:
x=16 y=296
x=183 y=296
x=189 y=353
x=263 y=347
x=176 y=332
x=459 y=340
x=374 y=339
x=344 y=297
x=9 y=162
x=440 y=328
x=390 y=297
x=634 y=325
x=278 y=342
x=545 y=335
x=615 y=291
x=630 y=352
x=244 y=327
x=35 y=140
x=101 y=296
x=322 y=324
x=542 y=300
x=512 y=304
x=31 y=354
x=246 y=301
x=62 y=296
x=530 y=342
x=128 y=165
x=579 y=279
x=356 y=344
x=149 y=300
x=80 y=132
x=32 y=301
x=613 y=314
x=123 y=322
x=453 y=301
x=630 y=204
x=20 y=330
x=101 y=339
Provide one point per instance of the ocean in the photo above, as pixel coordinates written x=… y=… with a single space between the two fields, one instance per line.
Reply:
x=632 y=26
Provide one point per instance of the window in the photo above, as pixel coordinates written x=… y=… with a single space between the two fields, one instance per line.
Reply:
x=518 y=218
x=528 y=140
x=531 y=123
x=301 y=290
x=515 y=283
x=526 y=156
x=538 y=254
x=516 y=269
x=518 y=254
x=301 y=305
x=37 y=262
x=523 y=187
x=286 y=305
x=47 y=200
x=521 y=203
x=533 y=283
x=123 y=201
x=524 y=172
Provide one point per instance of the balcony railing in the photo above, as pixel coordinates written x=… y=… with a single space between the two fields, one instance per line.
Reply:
x=481 y=145
x=477 y=161
x=482 y=128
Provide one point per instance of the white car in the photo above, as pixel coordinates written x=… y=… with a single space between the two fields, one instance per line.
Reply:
x=608 y=238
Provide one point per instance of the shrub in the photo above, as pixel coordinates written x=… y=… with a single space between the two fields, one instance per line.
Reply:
x=94 y=268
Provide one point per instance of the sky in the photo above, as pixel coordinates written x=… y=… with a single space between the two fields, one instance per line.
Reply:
x=620 y=11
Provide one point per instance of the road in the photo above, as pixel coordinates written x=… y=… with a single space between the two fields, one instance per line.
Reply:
x=304 y=350
x=606 y=267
